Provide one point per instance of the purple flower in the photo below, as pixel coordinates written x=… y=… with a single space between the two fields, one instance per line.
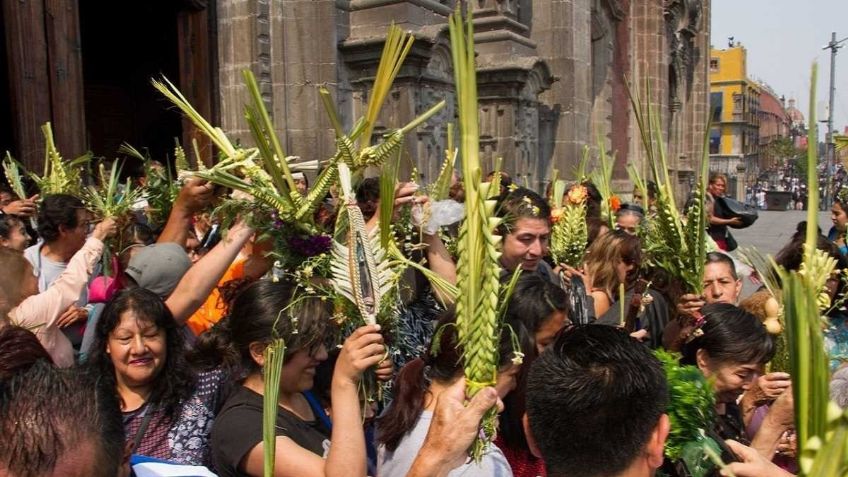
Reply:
x=310 y=245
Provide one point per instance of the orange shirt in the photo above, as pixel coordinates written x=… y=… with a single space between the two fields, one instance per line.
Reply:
x=212 y=310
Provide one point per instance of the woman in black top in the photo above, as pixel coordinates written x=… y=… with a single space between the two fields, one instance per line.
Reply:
x=731 y=350
x=265 y=310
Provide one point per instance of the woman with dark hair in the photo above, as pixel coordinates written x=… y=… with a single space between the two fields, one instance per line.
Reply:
x=401 y=430
x=839 y=217
x=629 y=217
x=19 y=350
x=13 y=233
x=138 y=351
x=540 y=307
x=610 y=262
x=731 y=348
x=268 y=310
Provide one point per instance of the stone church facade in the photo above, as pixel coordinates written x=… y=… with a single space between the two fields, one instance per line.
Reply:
x=552 y=75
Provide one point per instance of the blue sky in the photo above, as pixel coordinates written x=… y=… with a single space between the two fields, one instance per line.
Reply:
x=783 y=38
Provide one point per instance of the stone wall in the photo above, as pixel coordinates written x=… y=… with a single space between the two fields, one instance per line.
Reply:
x=551 y=76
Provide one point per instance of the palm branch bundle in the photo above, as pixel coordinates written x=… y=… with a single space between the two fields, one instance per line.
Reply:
x=775 y=320
x=59 y=177
x=569 y=233
x=110 y=200
x=12 y=171
x=602 y=178
x=362 y=272
x=478 y=269
x=161 y=188
x=675 y=245
x=262 y=173
x=272 y=371
x=822 y=427
x=15 y=179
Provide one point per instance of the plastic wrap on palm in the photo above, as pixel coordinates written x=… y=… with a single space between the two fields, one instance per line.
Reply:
x=441 y=214
x=578 y=304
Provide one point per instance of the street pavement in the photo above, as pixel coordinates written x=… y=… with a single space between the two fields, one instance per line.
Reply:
x=771 y=232
x=773 y=229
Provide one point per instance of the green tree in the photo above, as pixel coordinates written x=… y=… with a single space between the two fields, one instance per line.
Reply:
x=781 y=150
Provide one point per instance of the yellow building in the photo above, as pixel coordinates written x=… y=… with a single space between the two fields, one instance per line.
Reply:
x=734 y=137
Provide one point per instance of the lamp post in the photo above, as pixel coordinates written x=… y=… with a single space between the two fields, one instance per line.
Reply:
x=830 y=150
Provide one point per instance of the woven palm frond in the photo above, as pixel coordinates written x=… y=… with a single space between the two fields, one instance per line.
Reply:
x=478 y=266
x=60 y=177
x=361 y=272
x=272 y=372
x=12 y=171
x=569 y=233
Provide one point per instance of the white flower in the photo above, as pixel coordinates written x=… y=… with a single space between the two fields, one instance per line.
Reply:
x=517 y=358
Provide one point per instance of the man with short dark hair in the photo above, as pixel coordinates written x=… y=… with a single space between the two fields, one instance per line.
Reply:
x=526 y=231
x=721 y=285
x=63 y=225
x=596 y=402
x=60 y=422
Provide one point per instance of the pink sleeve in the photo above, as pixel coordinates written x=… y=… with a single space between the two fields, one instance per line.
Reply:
x=42 y=310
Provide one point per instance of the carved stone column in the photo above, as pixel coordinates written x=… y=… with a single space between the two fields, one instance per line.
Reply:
x=291 y=47
x=561 y=29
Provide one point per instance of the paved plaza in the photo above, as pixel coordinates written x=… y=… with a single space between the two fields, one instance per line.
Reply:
x=774 y=229
x=771 y=232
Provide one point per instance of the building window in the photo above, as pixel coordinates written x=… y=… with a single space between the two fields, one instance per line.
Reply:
x=715 y=105
x=713 y=65
x=715 y=141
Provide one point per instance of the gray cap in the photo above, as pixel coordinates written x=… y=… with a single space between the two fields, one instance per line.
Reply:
x=159 y=267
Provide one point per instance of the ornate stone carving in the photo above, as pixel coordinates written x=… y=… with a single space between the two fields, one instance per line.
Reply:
x=504 y=7
x=440 y=64
x=604 y=13
x=431 y=137
x=683 y=22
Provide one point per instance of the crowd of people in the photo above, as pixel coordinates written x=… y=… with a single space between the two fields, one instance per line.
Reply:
x=163 y=358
